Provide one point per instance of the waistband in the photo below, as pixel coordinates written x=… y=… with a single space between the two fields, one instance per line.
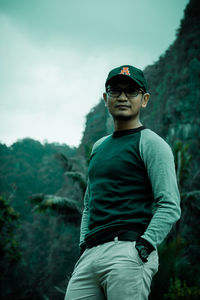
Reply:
x=121 y=236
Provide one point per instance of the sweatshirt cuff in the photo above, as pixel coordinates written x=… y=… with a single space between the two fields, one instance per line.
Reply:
x=82 y=248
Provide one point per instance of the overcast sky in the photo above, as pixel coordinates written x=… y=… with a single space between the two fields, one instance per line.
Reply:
x=55 y=56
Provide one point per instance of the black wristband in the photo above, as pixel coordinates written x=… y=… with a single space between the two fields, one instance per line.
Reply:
x=144 y=248
x=82 y=248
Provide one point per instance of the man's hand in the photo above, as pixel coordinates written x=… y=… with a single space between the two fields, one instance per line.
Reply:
x=144 y=248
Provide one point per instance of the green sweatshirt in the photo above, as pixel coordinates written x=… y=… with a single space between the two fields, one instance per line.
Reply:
x=131 y=186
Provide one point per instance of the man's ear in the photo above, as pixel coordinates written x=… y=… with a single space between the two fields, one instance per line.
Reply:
x=145 y=99
x=105 y=98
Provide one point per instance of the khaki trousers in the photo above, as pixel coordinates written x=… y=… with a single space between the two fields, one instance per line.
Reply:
x=112 y=271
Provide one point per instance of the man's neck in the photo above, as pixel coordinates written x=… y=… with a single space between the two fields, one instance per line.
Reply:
x=125 y=125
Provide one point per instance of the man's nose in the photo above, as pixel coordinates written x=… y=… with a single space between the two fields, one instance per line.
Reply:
x=122 y=97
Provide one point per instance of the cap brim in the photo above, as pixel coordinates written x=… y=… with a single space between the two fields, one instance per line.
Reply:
x=122 y=76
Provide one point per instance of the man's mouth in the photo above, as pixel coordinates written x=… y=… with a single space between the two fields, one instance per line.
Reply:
x=122 y=106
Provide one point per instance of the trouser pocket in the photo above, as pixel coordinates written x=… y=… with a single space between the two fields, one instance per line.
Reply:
x=152 y=262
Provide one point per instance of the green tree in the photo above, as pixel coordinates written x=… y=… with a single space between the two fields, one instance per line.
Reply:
x=66 y=206
x=9 y=246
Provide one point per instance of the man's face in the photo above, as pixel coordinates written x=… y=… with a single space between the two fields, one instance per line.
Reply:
x=125 y=98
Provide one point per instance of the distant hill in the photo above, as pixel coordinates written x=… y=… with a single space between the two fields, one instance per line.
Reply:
x=28 y=167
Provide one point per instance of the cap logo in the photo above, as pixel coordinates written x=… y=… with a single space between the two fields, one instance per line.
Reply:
x=125 y=71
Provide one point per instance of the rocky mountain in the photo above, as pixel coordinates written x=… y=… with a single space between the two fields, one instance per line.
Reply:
x=174 y=83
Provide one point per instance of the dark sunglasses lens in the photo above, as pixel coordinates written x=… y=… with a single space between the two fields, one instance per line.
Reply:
x=114 y=92
x=129 y=91
x=133 y=92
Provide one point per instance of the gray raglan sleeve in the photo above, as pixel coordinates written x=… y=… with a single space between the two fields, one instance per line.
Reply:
x=84 y=220
x=159 y=161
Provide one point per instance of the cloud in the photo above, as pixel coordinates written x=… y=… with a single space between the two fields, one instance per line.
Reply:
x=98 y=25
x=46 y=90
x=56 y=56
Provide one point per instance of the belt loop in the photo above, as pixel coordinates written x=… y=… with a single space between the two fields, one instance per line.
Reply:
x=116 y=239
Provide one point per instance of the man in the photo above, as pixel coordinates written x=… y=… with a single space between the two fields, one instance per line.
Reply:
x=131 y=201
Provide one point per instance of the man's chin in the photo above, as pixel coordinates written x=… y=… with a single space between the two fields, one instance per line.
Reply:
x=122 y=117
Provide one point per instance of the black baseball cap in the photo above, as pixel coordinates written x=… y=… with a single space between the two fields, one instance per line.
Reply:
x=127 y=70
